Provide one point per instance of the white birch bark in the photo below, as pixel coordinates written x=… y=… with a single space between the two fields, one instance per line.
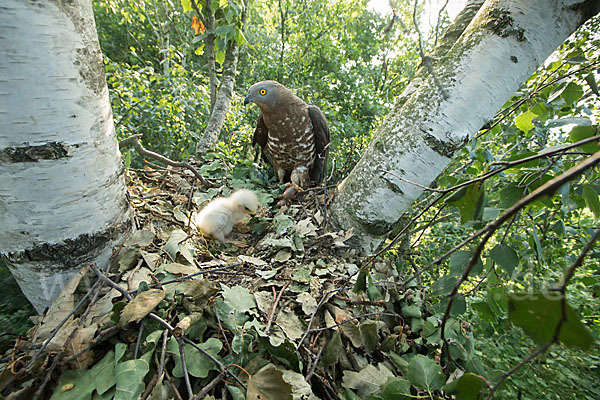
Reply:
x=438 y=114
x=62 y=191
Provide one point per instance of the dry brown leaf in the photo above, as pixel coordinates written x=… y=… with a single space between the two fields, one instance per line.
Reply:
x=141 y=306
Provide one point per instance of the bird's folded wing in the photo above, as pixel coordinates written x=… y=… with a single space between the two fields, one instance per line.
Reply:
x=322 y=139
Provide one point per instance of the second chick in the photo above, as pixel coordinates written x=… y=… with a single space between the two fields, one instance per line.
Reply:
x=219 y=216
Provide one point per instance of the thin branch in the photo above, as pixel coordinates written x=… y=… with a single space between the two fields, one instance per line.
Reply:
x=441 y=195
x=325 y=297
x=437 y=24
x=274 y=306
x=489 y=230
x=186 y=375
x=135 y=142
x=354 y=319
x=206 y=389
x=563 y=318
x=426 y=60
x=60 y=325
x=217 y=362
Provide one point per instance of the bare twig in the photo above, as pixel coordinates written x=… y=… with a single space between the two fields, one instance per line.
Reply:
x=206 y=389
x=315 y=361
x=437 y=24
x=186 y=376
x=489 y=230
x=274 y=306
x=426 y=60
x=58 y=356
x=60 y=325
x=326 y=296
x=353 y=319
x=135 y=142
x=220 y=326
x=510 y=164
x=563 y=318
x=138 y=342
x=161 y=365
x=217 y=362
x=190 y=276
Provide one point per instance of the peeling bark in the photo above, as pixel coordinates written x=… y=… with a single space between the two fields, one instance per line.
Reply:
x=440 y=112
x=62 y=192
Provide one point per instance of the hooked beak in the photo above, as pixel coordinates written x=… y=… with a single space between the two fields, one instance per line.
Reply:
x=247 y=100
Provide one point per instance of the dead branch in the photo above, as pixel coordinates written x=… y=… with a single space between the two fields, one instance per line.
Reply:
x=135 y=142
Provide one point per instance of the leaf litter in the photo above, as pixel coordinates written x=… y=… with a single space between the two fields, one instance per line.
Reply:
x=272 y=316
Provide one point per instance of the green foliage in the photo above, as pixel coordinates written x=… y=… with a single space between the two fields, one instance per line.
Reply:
x=423 y=372
x=337 y=55
x=168 y=109
x=15 y=309
x=539 y=314
x=343 y=57
x=527 y=256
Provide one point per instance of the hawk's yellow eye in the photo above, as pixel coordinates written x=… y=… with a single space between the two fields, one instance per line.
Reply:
x=263 y=91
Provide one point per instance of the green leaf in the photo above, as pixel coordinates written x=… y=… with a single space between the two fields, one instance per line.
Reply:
x=237 y=302
x=373 y=292
x=396 y=389
x=399 y=362
x=235 y=392
x=539 y=251
x=505 y=256
x=591 y=200
x=467 y=387
x=538 y=315
x=460 y=260
x=198 y=364
x=411 y=311
x=361 y=281
x=571 y=93
x=579 y=133
x=425 y=373
x=284 y=224
x=104 y=373
x=459 y=305
x=524 y=121
x=443 y=286
x=130 y=379
x=368 y=335
x=591 y=80
x=74 y=385
x=175 y=243
x=483 y=310
x=350 y=395
x=577 y=60
x=368 y=380
x=470 y=204
x=333 y=350
x=187 y=5
x=220 y=57
x=128 y=160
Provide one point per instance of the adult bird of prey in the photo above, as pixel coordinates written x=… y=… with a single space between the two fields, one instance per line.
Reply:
x=293 y=136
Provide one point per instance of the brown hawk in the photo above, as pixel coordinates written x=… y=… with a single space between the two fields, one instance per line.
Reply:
x=293 y=136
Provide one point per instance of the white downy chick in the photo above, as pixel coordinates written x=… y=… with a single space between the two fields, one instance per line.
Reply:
x=219 y=216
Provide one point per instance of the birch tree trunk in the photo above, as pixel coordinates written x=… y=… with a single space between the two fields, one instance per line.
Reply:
x=440 y=111
x=62 y=191
x=223 y=99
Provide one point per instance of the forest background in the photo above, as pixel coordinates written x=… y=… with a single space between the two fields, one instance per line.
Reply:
x=353 y=62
